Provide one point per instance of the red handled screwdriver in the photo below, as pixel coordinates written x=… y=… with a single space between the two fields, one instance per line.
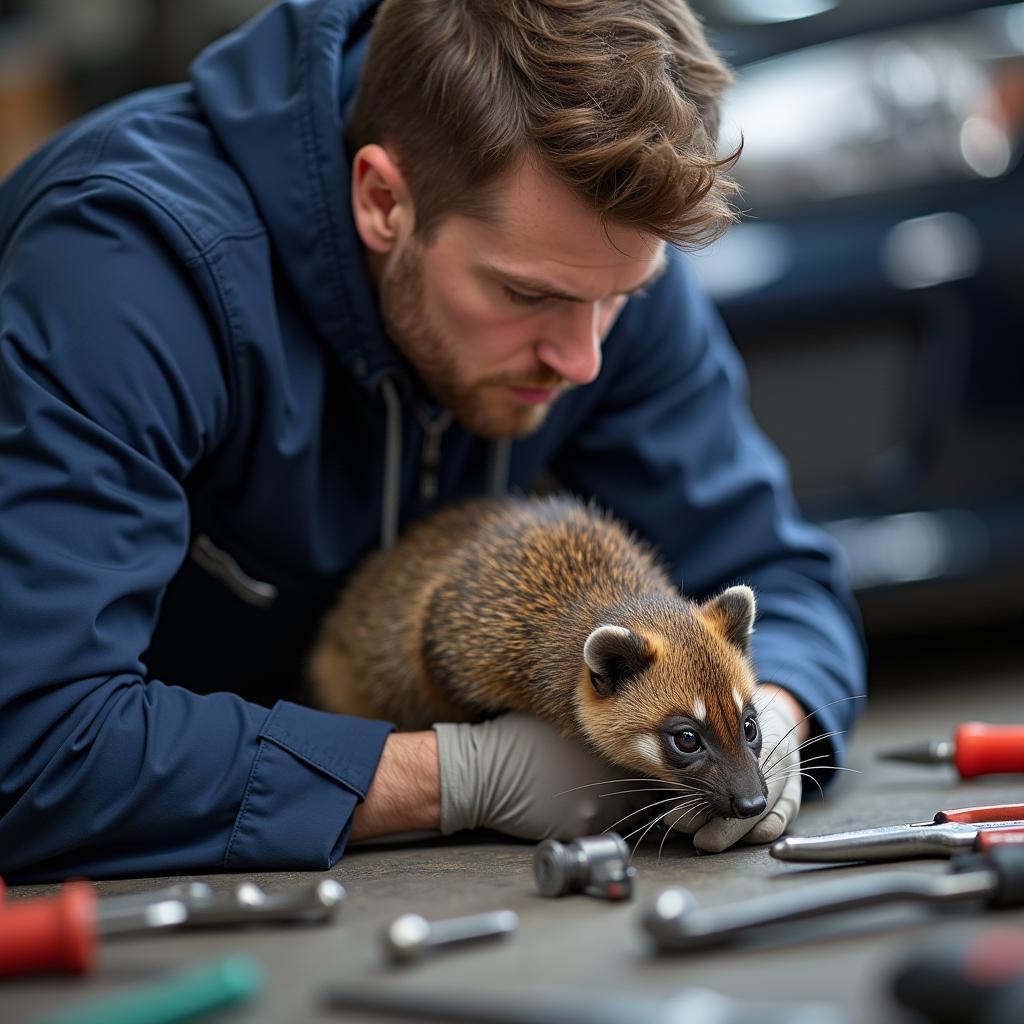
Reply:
x=976 y=748
x=61 y=932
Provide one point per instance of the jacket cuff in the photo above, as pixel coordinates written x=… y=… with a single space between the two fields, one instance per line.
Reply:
x=311 y=769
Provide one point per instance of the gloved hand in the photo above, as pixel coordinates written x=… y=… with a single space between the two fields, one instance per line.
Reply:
x=519 y=775
x=780 y=762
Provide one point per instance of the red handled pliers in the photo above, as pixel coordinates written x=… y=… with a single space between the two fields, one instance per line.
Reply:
x=949 y=832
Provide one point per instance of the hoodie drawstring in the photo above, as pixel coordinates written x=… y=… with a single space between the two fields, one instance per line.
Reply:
x=497 y=468
x=392 y=465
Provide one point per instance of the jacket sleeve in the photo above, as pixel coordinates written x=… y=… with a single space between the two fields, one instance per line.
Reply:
x=670 y=445
x=113 y=386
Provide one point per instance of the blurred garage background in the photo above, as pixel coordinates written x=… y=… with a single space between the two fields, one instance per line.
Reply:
x=875 y=287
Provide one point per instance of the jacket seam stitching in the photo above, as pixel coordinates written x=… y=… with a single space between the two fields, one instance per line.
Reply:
x=200 y=248
x=241 y=810
x=201 y=254
x=332 y=773
x=307 y=119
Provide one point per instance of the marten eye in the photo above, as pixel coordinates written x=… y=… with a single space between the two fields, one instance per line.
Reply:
x=687 y=741
x=750 y=730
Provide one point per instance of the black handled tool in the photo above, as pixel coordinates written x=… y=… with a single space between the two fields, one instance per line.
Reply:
x=685 y=1008
x=995 y=879
x=975 y=979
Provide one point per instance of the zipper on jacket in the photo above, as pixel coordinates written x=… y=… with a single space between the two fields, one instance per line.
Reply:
x=223 y=567
x=430 y=454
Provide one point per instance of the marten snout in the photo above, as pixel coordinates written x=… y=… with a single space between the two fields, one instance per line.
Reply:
x=676 y=702
x=718 y=764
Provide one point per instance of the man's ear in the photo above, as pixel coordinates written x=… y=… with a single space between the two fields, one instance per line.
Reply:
x=381 y=203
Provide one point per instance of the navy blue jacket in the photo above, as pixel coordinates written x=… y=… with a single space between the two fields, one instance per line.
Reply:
x=203 y=427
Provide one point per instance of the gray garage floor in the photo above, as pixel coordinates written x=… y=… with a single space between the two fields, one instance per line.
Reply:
x=578 y=946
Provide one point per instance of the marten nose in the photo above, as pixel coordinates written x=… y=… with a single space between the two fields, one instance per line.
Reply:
x=748 y=806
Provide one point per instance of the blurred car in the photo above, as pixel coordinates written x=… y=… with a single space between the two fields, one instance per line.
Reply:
x=876 y=284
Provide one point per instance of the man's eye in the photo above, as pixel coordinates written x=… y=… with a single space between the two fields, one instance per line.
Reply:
x=687 y=741
x=522 y=298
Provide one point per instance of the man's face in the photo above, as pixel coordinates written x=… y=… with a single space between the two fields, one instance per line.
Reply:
x=500 y=318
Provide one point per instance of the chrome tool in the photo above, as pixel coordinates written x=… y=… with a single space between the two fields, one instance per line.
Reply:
x=992 y=879
x=956 y=831
x=596 y=865
x=411 y=936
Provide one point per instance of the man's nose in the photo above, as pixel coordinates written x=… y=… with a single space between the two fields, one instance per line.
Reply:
x=573 y=346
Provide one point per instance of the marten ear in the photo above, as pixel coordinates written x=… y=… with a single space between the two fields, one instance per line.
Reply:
x=614 y=655
x=733 y=611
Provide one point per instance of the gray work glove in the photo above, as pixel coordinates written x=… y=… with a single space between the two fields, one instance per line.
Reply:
x=519 y=775
x=780 y=762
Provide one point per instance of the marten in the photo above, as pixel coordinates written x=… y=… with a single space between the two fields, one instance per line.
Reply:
x=550 y=606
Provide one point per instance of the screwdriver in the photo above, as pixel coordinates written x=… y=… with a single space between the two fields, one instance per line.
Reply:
x=61 y=932
x=976 y=748
x=965 y=978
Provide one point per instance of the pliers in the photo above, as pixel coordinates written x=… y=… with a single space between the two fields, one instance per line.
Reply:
x=949 y=832
x=976 y=748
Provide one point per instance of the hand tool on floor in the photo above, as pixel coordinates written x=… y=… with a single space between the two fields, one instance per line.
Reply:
x=965 y=979
x=188 y=996
x=976 y=748
x=956 y=831
x=61 y=932
x=410 y=936
x=693 y=1005
x=992 y=879
x=596 y=865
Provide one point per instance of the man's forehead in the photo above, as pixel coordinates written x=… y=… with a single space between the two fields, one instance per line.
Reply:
x=575 y=234
x=537 y=215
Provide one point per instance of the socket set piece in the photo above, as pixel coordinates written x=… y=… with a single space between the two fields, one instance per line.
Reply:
x=994 y=879
x=410 y=936
x=596 y=865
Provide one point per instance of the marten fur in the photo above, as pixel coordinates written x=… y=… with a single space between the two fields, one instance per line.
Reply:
x=548 y=606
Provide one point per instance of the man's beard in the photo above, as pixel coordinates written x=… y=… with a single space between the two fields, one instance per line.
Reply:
x=483 y=407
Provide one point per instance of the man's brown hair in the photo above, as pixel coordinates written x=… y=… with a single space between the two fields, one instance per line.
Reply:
x=618 y=98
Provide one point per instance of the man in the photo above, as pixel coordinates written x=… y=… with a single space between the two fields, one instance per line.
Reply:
x=251 y=327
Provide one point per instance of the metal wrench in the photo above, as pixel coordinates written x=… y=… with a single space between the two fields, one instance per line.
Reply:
x=675 y=922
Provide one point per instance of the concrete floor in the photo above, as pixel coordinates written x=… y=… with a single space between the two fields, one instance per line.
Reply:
x=579 y=948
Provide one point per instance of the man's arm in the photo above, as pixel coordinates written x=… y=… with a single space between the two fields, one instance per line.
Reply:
x=112 y=389
x=405 y=795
